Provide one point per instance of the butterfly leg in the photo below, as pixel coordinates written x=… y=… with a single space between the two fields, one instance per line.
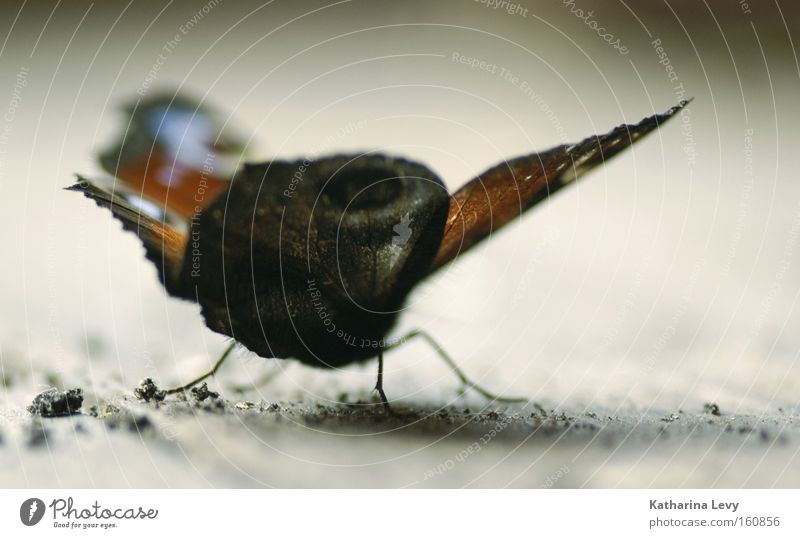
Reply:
x=207 y=374
x=379 y=384
x=419 y=333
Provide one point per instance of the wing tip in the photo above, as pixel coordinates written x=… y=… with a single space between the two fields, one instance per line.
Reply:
x=674 y=109
x=81 y=184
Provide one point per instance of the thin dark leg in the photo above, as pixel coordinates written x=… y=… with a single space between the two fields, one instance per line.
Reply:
x=453 y=366
x=379 y=384
x=207 y=374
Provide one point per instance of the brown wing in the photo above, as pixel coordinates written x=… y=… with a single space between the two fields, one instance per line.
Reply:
x=505 y=191
x=164 y=245
x=174 y=154
x=171 y=161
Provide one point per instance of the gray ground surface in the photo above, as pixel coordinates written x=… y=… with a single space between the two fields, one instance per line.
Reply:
x=123 y=441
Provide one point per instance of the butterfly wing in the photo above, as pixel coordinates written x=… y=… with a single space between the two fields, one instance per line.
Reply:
x=505 y=191
x=164 y=244
x=317 y=257
x=171 y=161
x=175 y=154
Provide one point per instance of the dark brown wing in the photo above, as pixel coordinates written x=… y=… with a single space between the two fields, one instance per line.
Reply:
x=164 y=245
x=174 y=153
x=505 y=191
x=170 y=162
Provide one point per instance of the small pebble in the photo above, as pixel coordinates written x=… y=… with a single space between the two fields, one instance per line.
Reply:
x=149 y=391
x=56 y=403
x=202 y=393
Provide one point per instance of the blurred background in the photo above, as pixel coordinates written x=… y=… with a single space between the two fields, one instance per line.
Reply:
x=664 y=280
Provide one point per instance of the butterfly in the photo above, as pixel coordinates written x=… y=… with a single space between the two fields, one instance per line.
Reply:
x=311 y=259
